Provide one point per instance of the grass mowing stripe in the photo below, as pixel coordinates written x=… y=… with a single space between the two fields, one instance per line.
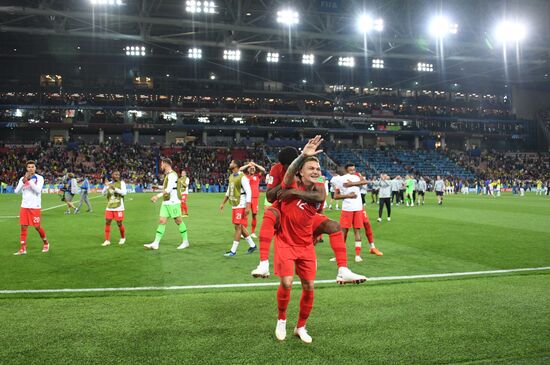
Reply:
x=45 y=209
x=248 y=285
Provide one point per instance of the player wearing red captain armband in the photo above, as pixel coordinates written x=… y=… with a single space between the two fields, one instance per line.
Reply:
x=30 y=186
x=294 y=248
x=321 y=225
x=254 y=179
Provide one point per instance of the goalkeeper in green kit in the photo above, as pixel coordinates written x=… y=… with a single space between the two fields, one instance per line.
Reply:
x=409 y=192
x=170 y=208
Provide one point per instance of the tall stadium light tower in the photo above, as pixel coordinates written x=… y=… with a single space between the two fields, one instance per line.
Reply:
x=367 y=24
x=288 y=17
x=440 y=27
x=510 y=32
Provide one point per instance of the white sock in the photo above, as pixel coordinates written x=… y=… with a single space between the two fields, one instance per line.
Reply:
x=371 y=245
x=264 y=263
x=342 y=269
x=250 y=242
x=234 y=247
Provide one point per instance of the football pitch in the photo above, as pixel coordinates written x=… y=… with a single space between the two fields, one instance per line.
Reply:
x=501 y=318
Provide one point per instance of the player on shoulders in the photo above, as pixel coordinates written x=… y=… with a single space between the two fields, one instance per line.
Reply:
x=30 y=186
x=294 y=248
x=115 y=191
x=321 y=225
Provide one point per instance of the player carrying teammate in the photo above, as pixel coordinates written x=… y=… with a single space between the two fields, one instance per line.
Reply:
x=294 y=249
x=183 y=188
x=30 y=186
x=254 y=179
x=321 y=225
x=353 y=215
x=240 y=196
x=115 y=192
x=170 y=207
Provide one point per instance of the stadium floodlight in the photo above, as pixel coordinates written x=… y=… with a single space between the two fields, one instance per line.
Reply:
x=346 y=61
x=510 y=32
x=200 y=7
x=135 y=50
x=107 y=2
x=288 y=17
x=194 y=53
x=424 y=67
x=367 y=24
x=440 y=26
x=308 y=59
x=377 y=63
x=231 y=54
x=272 y=57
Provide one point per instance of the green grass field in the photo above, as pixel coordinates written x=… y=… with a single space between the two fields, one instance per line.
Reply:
x=489 y=319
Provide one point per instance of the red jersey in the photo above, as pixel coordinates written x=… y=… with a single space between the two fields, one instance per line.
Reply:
x=296 y=220
x=276 y=175
x=254 y=184
x=275 y=178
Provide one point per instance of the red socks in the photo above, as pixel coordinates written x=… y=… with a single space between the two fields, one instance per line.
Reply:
x=121 y=229
x=368 y=231
x=42 y=234
x=358 y=249
x=283 y=297
x=23 y=237
x=184 y=207
x=306 y=304
x=267 y=231
x=339 y=247
x=107 y=232
x=253 y=224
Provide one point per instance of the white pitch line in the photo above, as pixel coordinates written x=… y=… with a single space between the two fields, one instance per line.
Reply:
x=45 y=209
x=262 y=284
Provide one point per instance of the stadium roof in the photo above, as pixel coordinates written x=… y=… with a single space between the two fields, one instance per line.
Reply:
x=326 y=28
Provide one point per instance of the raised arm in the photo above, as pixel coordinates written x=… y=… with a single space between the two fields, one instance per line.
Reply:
x=261 y=168
x=310 y=149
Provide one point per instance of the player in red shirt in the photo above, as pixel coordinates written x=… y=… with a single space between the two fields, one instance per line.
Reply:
x=321 y=225
x=254 y=178
x=294 y=248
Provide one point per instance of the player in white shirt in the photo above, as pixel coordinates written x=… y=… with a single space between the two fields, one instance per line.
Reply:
x=395 y=189
x=239 y=194
x=30 y=186
x=334 y=184
x=421 y=190
x=115 y=191
x=71 y=190
x=353 y=214
x=439 y=188
x=170 y=208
